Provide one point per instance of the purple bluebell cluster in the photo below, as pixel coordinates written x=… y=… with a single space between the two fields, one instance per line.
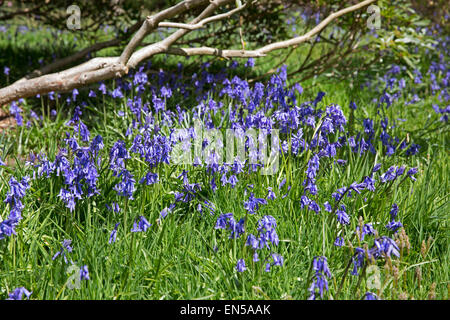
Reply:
x=265 y=241
x=16 y=111
x=113 y=235
x=240 y=266
x=141 y=225
x=227 y=221
x=370 y=296
x=394 y=225
x=252 y=204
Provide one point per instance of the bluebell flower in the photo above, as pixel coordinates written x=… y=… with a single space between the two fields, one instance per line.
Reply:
x=384 y=246
x=267 y=234
x=313 y=206
x=321 y=274
x=237 y=228
x=117 y=93
x=7 y=227
x=113 y=235
x=75 y=93
x=370 y=183
x=141 y=226
x=366 y=230
x=13 y=198
x=68 y=198
x=339 y=242
x=240 y=266
x=17 y=189
x=232 y=180
x=210 y=206
x=117 y=156
x=140 y=77
x=320 y=264
x=304 y=201
x=84 y=273
x=252 y=241
x=253 y=203
x=16 y=111
x=399 y=171
x=224 y=179
x=394 y=225
x=164 y=212
x=222 y=220
x=149 y=178
x=371 y=296
x=34 y=115
x=18 y=294
x=389 y=175
x=394 y=211
x=255 y=257
x=271 y=195
x=82 y=131
x=65 y=247
x=166 y=92
x=277 y=260
x=298 y=87
x=313 y=167
x=126 y=186
x=413 y=149
x=114 y=207
x=250 y=63
x=319 y=283
x=319 y=97
x=342 y=216
x=412 y=172
x=76 y=117
x=418 y=76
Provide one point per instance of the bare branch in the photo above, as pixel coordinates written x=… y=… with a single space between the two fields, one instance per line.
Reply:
x=151 y=23
x=163 y=45
x=203 y=22
x=94 y=70
x=213 y=52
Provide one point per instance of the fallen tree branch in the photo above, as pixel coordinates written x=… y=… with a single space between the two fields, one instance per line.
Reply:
x=99 y=69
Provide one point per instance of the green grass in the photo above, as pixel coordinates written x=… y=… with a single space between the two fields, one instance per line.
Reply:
x=175 y=258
